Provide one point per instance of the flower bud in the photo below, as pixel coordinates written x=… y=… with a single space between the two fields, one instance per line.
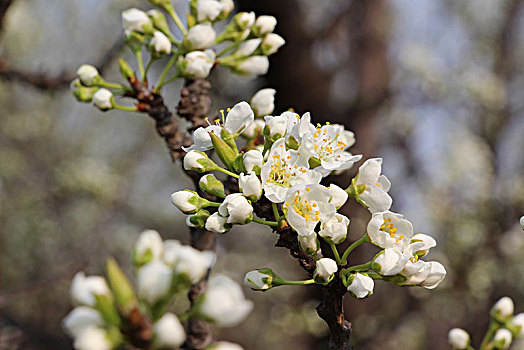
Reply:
x=135 y=20
x=335 y=229
x=163 y=4
x=359 y=285
x=208 y=10
x=134 y=40
x=263 y=102
x=244 y=20
x=264 y=25
x=126 y=70
x=159 y=21
x=103 y=99
x=502 y=339
x=308 y=243
x=84 y=289
x=522 y=222
x=196 y=64
x=169 y=332
x=223 y=150
x=198 y=161
x=88 y=75
x=198 y=220
x=81 y=318
x=224 y=302
x=200 y=36
x=271 y=43
x=227 y=7
x=254 y=65
x=516 y=325
x=252 y=160
x=437 y=273
x=212 y=186
x=389 y=262
x=261 y=279
x=160 y=43
x=325 y=271
x=338 y=196
x=224 y=345
x=217 y=223
x=149 y=246
x=503 y=309
x=237 y=209
x=93 y=338
x=250 y=186
x=248 y=47
x=153 y=281
x=81 y=92
x=124 y=293
x=188 y=201
x=458 y=338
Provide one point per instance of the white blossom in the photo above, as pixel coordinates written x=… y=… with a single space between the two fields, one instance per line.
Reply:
x=153 y=281
x=191 y=160
x=282 y=124
x=84 y=289
x=228 y=6
x=169 y=332
x=376 y=186
x=257 y=280
x=255 y=129
x=283 y=170
x=391 y=261
x=134 y=20
x=308 y=243
x=236 y=208
x=208 y=10
x=185 y=201
x=339 y=197
x=199 y=63
x=428 y=242
x=252 y=159
x=299 y=129
x=517 y=324
x=502 y=338
x=239 y=118
x=102 y=99
x=263 y=102
x=254 y=65
x=326 y=145
x=271 y=43
x=161 y=43
x=245 y=19
x=458 y=338
x=224 y=302
x=264 y=25
x=503 y=308
x=87 y=74
x=325 y=269
x=188 y=261
x=437 y=273
x=81 y=318
x=248 y=47
x=202 y=140
x=250 y=185
x=216 y=223
x=334 y=229
x=361 y=286
x=389 y=230
x=92 y=338
x=149 y=244
x=201 y=36
x=306 y=205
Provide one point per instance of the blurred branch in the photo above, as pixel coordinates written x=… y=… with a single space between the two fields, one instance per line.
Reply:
x=46 y=82
x=4 y=6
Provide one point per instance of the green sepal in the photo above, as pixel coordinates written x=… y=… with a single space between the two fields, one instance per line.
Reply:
x=238 y=164
x=199 y=218
x=84 y=93
x=125 y=297
x=314 y=162
x=135 y=41
x=144 y=259
x=214 y=187
x=397 y=279
x=229 y=139
x=126 y=70
x=160 y=22
x=223 y=151
x=321 y=281
x=191 y=20
x=105 y=304
x=193 y=8
x=163 y=4
x=292 y=143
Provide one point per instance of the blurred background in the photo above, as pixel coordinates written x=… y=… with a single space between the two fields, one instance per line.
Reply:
x=433 y=87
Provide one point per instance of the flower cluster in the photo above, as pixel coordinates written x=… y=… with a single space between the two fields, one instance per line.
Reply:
x=503 y=328
x=243 y=46
x=283 y=161
x=109 y=314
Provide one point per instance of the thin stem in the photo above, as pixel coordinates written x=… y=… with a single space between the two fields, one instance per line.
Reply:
x=171 y=11
x=227 y=172
x=375 y=276
x=111 y=85
x=275 y=211
x=335 y=252
x=213 y=204
x=166 y=70
x=297 y=283
x=149 y=64
x=226 y=49
x=358 y=268
x=493 y=326
x=124 y=108
x=140 y=64
x=176 y=76
x=265 y=222
x=363 y=239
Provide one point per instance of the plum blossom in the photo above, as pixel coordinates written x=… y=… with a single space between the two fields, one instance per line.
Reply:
x=375 y=195
x=389 y=230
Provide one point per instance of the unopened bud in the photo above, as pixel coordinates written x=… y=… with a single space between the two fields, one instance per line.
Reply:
x=103 y=99
x=212 y=186
x=126 y=70
x=325 y=271
x=198 y=161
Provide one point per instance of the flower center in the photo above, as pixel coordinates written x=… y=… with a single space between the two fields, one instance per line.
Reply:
x=308 y=210
x=325 y=145
x=390 y=229
x=282 y=172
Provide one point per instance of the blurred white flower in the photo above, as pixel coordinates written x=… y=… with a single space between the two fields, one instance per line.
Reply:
x=208 y=10
x=503 y=308
x=102 y=99
x=271 y=43
x=81 y=318
x=134 y=19
x=87 y=74
x=169 y=332
x=197 y=64
x=458 y=338
x=200 y=36
x=254 y=65
x=92 y=338
x=161 y=43
x=264 y=25
x=502 y=338
x=153 y=281
x=84 y=289
x=149 y=246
